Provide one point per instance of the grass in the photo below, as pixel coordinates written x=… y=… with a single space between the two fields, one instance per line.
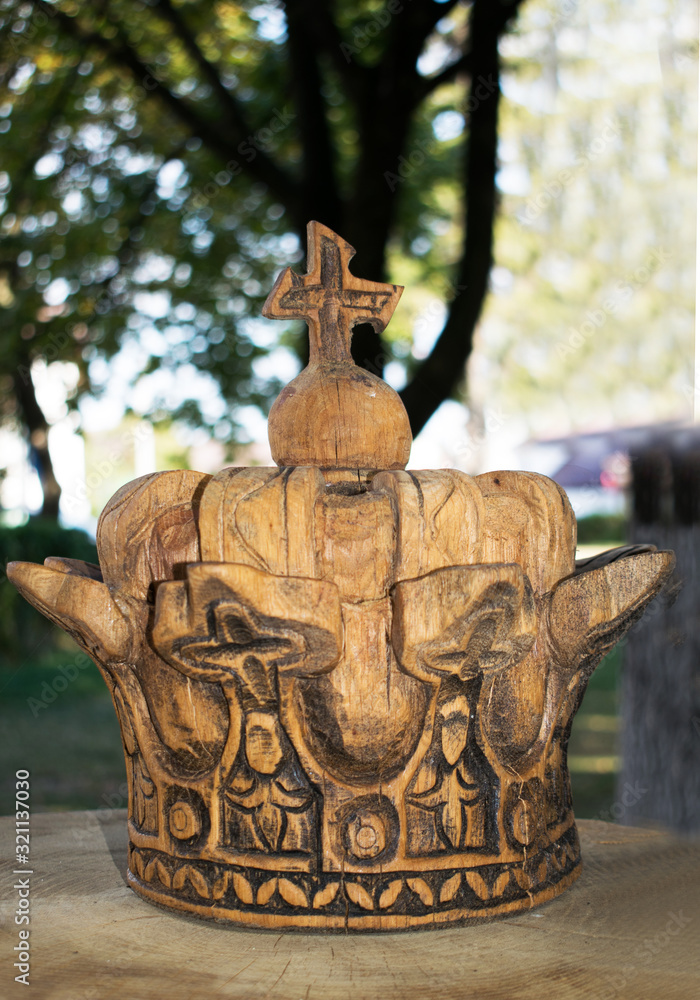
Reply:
x=57 y=721
x=594 y=747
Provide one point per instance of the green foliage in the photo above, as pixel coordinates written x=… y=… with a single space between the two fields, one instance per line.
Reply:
x=88 y=203
x=602 y=528
x=24 y=633
x=71 y=748
x=133 y=220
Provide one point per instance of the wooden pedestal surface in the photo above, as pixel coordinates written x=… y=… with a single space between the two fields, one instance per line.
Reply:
x=628 y=929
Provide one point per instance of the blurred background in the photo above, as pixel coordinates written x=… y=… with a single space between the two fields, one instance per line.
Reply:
x=527 y=169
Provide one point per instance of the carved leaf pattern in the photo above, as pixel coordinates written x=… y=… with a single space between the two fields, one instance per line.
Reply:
x=291 y=893
x=325 y=896
x=358 y=894
x=137 y=863
x=449 y=888
x=156 y=869
x=219 y=886
x=477 y=883
x=390 y=894
x=199 y=882
x=272 y=823
x=195 y=877
x=242 y=888
x=522 y=878
x=163 y=873
x=265 y=891
x=500 y=884
x=421 y=889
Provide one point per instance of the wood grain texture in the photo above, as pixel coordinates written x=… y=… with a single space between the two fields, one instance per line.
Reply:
x=335 y=414
x=345 y=690
x=314 y=736
x=626 y=931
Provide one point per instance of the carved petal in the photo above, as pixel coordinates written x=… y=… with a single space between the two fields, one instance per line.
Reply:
x=291 y=893
x=477 y=883
x=528 y=518
x=592 y=610
x=390 y=894
x=422 y=889
x=462 y=620
x=79 y=604
x=449 y=888
x=266 y=891
x=500 y=885
x=325 y=896
x=242 y=888
x=358 y=894
x=148 y=528
x=298 y=628
x=455 y=729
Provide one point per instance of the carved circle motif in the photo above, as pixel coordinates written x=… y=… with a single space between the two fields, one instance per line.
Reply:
x=365 y=835
x=369 y=828
x=184 y=821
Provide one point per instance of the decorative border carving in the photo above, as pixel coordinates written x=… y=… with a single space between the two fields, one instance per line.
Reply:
x=337 y=900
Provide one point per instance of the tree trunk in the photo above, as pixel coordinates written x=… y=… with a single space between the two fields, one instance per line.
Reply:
x=660 y=779
x=38 y=428
x=442 y=371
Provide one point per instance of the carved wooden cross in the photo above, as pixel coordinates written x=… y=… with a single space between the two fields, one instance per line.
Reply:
x=330 y=299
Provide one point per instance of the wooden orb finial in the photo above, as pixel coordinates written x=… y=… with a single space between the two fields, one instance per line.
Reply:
x=335 y=414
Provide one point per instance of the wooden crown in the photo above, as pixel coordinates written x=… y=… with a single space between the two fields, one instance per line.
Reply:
x=345 y=690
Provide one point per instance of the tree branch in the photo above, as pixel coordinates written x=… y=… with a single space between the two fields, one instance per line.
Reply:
x=173 y=17
x=40 y=143
x=261 y=166
x=330 y=41
x=447 y=75
x=37 y=425
x=441 y=372
x=320 y=195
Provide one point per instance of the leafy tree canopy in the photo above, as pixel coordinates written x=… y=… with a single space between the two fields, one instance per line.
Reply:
x=160 y=162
